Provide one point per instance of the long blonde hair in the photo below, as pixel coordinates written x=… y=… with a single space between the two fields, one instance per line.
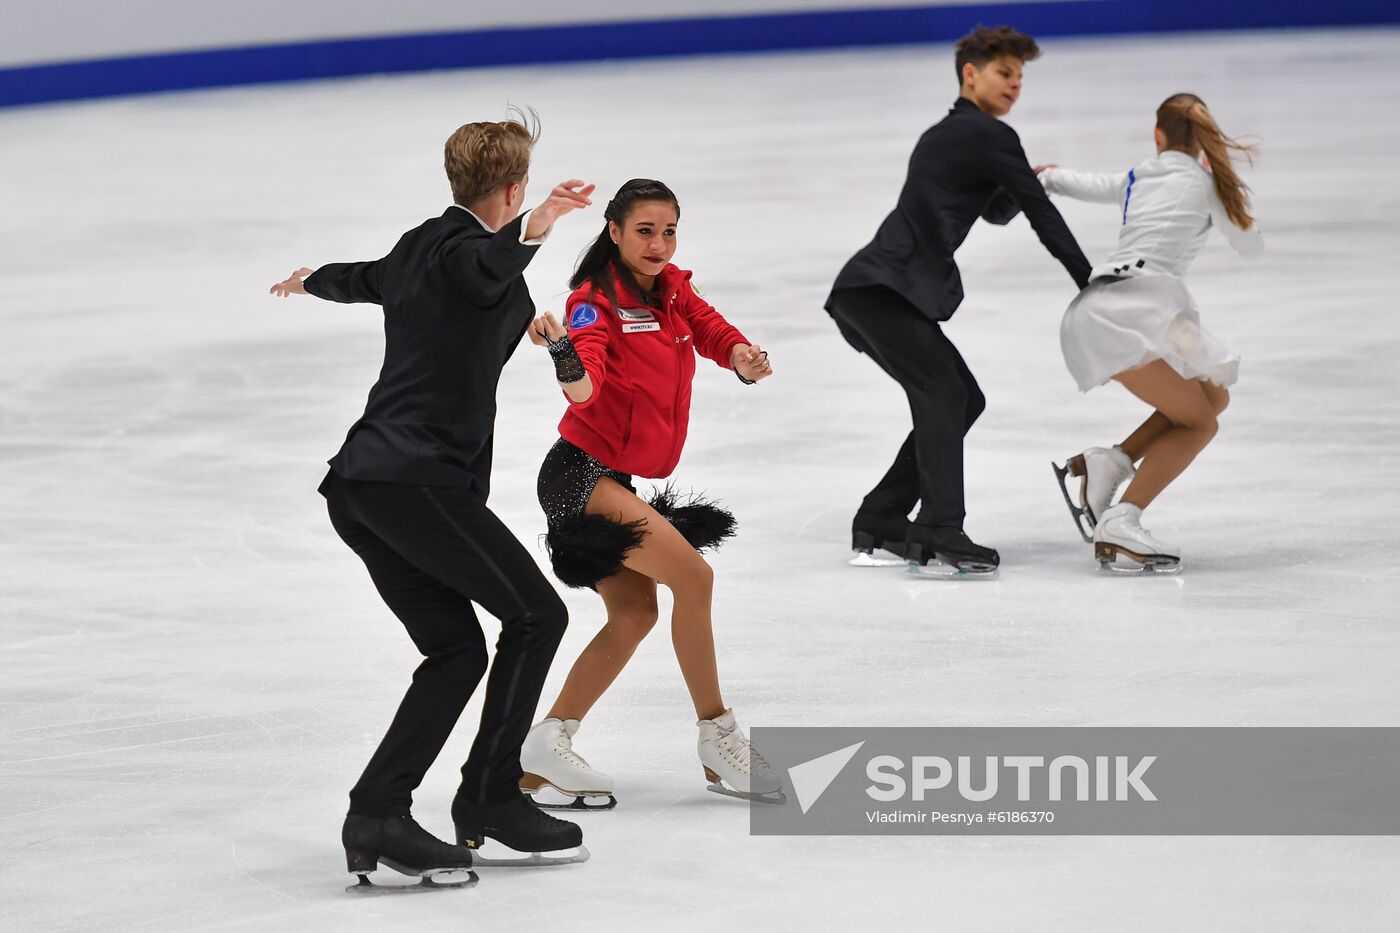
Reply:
x=1189 y=126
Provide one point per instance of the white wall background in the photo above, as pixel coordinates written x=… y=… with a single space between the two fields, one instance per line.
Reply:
x=44 y=31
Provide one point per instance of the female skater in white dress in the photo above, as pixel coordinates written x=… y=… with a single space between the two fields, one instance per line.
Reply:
x=1136 y=323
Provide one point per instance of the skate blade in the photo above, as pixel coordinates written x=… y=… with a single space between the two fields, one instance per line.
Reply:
x=939 y=570
x=1121 y=561
x=1083 y=521
x=870 y=559
x=443 y=879
x=777 y=796
x=496 y=855
x=549 y=797
x=1134 y=569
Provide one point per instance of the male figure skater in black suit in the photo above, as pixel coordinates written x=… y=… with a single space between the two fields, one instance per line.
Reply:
x=891 y=296
x=407 y=492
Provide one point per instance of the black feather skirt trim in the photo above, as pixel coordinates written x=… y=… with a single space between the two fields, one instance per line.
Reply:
x=588 y=548
x=700 y=521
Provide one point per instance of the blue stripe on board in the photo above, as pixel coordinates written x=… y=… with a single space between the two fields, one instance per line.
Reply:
x=647 y=39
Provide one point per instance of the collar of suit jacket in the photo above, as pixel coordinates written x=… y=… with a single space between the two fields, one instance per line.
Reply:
x=456 y=210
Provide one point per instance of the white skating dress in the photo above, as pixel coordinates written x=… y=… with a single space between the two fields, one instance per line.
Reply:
x=1136 y=308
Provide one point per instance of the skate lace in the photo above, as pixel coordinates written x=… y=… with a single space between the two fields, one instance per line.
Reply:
x=739 y=750
x=565 y=750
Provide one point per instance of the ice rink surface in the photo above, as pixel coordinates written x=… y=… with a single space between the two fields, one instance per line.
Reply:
x=193 y=668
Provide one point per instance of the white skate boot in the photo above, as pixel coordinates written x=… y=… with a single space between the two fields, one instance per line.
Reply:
x=1122 y=545
x=1101 y=470
x=556 y=776
x=731 y=764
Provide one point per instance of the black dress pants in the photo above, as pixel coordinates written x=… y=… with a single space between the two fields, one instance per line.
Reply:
x=944 y=399
x=432 y=551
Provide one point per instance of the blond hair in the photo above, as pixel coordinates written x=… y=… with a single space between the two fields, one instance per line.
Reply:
x=482 y=158
x=1189 y=126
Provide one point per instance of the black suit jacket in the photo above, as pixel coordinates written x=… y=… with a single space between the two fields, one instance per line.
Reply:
x=966 y=166
x=455 y=308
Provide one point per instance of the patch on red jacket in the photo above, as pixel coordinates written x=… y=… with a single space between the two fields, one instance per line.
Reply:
x=583 y=316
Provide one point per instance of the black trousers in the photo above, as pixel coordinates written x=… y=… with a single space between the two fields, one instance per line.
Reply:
x=944 y=399
x=432 y=551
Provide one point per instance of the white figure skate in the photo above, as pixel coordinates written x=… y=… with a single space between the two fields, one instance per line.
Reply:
x=731 y=764
x=556 y=777
x=1101 y=471
x=1122 y=545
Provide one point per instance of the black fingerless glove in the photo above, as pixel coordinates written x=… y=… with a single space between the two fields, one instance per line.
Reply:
x=567 y=366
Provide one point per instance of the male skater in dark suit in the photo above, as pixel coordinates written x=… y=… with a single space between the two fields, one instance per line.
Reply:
x=891 y=296
x=407 y=492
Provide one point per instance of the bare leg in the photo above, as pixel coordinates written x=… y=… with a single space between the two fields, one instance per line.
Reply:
x=1190 y=411
x=1136 y=444
x=630 y=598
x=665 y=557
x=1218 y=396
x=1157 y=424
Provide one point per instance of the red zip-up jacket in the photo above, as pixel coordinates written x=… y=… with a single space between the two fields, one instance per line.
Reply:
x=641 y=361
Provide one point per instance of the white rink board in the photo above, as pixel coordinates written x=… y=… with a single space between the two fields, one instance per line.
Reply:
x=193 y=668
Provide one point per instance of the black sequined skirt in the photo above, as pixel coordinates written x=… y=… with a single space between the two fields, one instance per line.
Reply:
x=567 y=478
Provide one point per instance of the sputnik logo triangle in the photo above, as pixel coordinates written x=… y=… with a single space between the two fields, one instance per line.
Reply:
x=811 y=778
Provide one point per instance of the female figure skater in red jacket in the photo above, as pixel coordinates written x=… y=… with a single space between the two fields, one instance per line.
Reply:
x=625 y=362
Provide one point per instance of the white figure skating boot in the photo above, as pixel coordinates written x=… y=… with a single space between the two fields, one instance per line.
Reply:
x=731 y=764
x=1101 y=471
x=1121 y=544
x=556 y=776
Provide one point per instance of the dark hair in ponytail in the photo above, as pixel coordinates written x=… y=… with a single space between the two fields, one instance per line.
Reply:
x=594 y=266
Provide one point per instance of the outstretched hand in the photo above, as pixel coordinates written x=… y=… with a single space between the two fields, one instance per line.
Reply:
x=292 y=285
x=567 y=196
x=1041 y=168
x=750 y=361
x=546 y=326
